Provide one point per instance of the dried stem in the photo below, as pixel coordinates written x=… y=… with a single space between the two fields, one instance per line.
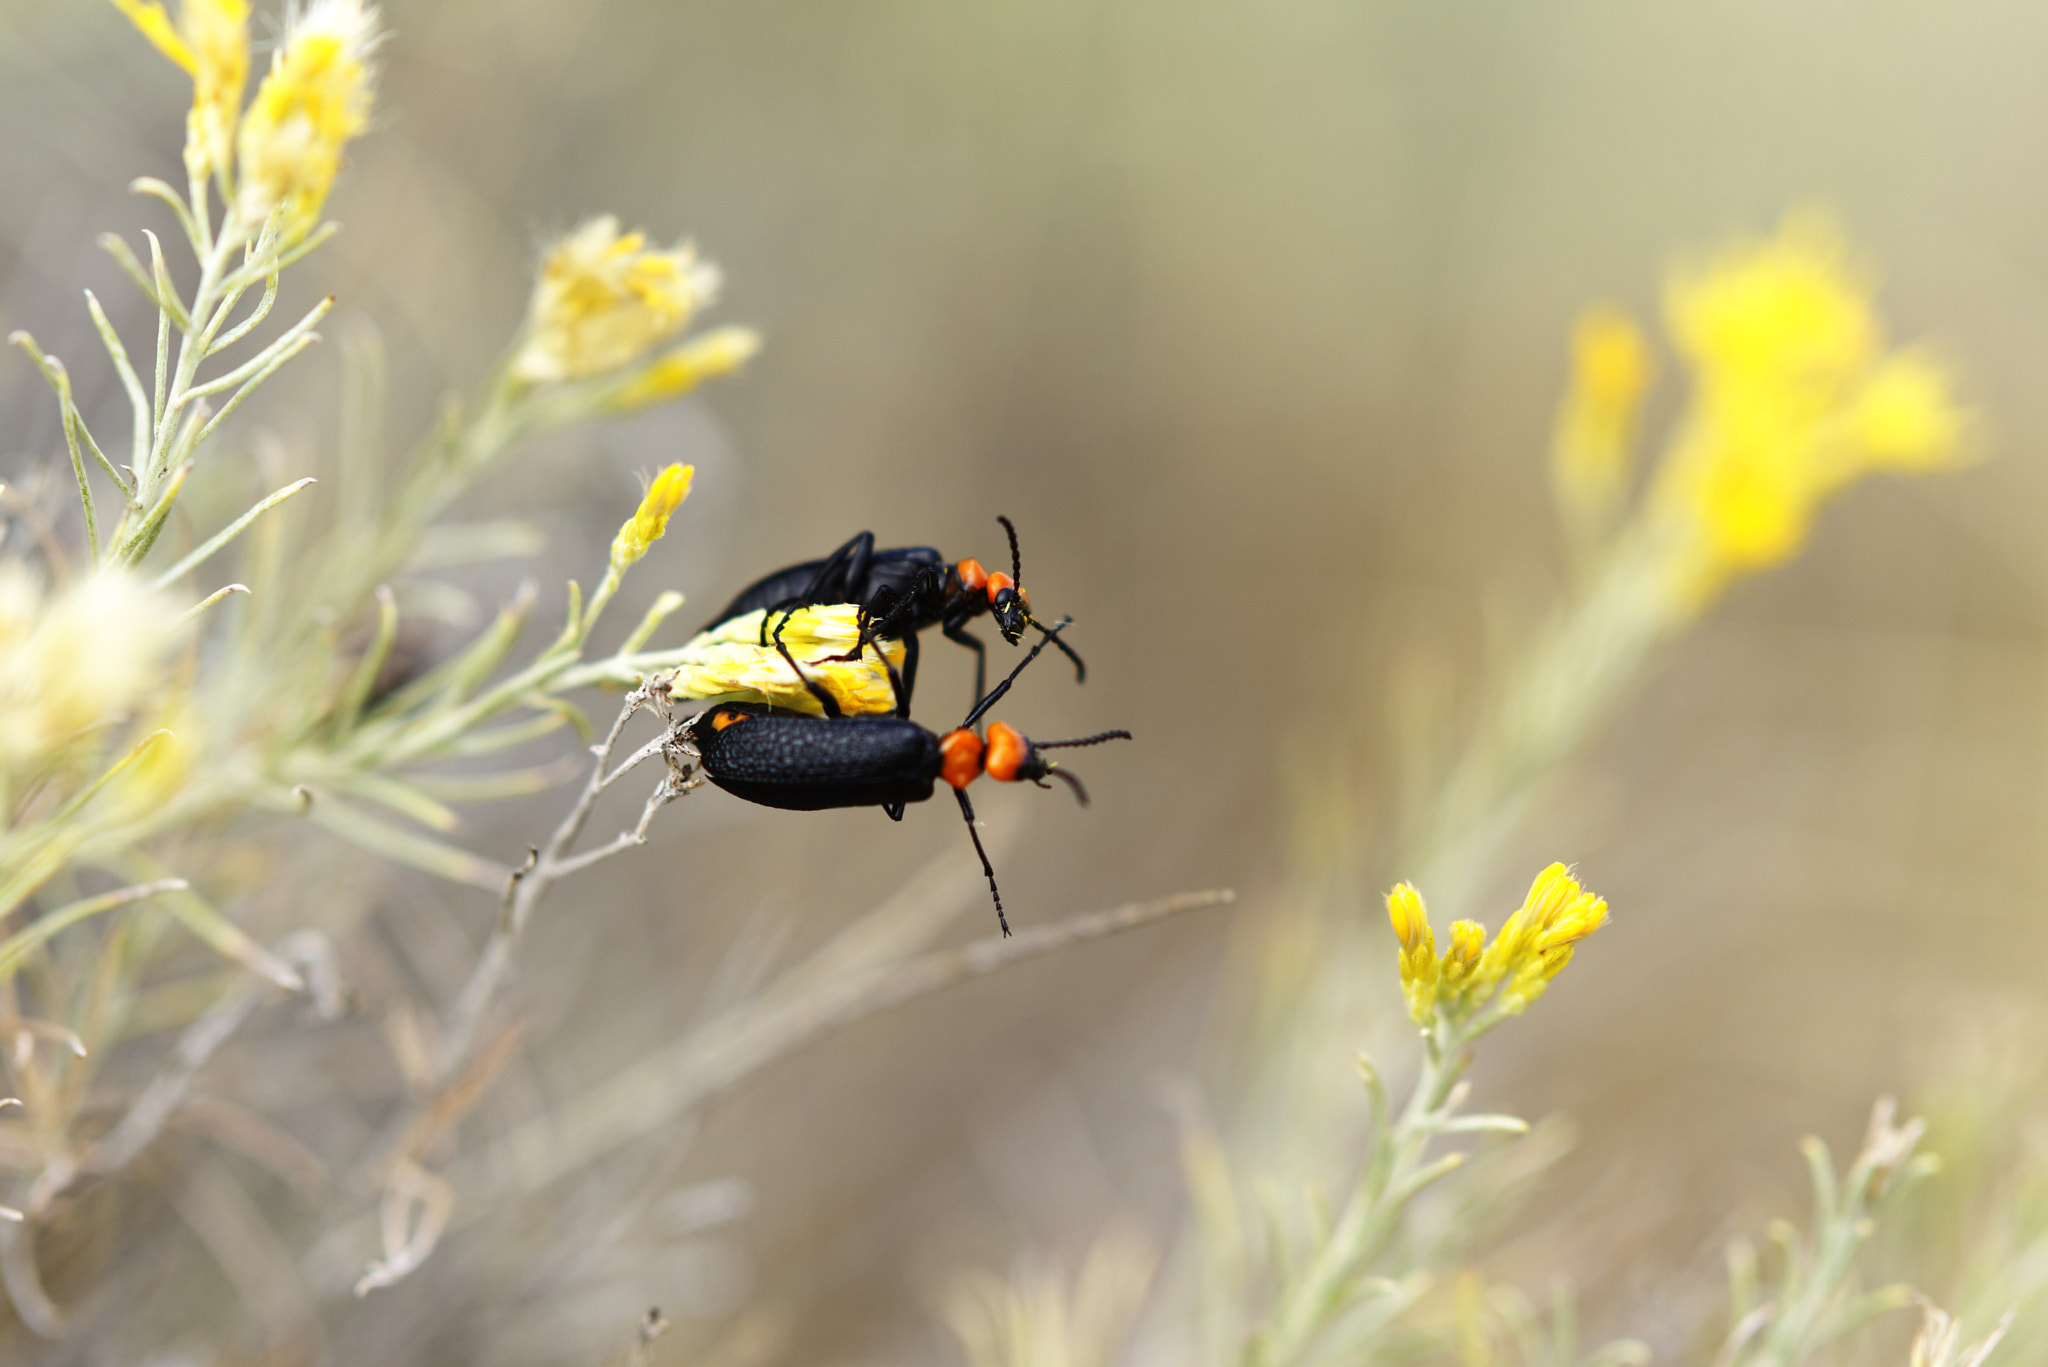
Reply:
x=811 y=999
x=944 y=968
x=550 y=863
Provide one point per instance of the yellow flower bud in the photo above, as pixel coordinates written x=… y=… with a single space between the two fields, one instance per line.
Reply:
x=647 y=525
x=1583 y=914
x=1596 y=425
x=1906 y=416
x=211 y=42
x=1461 y=956
x=1550 y=892
x=1410 y=917
x=676 y=372
x=1418 y=950
x=1534 y=945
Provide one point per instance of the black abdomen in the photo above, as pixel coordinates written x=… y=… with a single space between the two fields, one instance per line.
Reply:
x=809 y=764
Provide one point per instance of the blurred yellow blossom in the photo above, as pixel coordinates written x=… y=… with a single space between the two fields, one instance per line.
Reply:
x=1904 y=417
x=604 y=300
x=1418 y=950
x=211 y=42
x=314 y=99
x=1475 y=984
x=71 y=660
x=161 y=769
x=729 y=663
x=646 y=526
x=1794 y=397
x=1038 y=1317
x=681 y=369
x=1788 y=311
x=1596 y=425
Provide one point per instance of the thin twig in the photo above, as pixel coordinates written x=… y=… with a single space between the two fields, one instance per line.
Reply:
x=797 y=1008
x=146 y=1118
x=25 y=1284
x=415 y=1211
x=526 y=888
x=945 y=967
x=623 y=841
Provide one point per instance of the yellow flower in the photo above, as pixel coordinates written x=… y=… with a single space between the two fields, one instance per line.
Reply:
x=1477 y=982
x=1904 y=416
x=72 y=661
x=211 y=42
x=1788 y=312
x=1461 y=956
x=1537 y=941
x=676 y=372
x=1410 y=918
x=1596 y=424
x=729 y=663
x=1794 y=398
x=314 y=99
x=1418 y=950
x=646 y=526
x=604 y=300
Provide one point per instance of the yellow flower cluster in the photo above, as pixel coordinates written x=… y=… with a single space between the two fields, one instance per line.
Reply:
x=604 y=300
x=211 y=42
x=71 y=661
x=1795 y=396
x=646 y=526
x=1596 y=425
x=315 y=98
x=286 y=148
x=1474 y=981
x=729 y=663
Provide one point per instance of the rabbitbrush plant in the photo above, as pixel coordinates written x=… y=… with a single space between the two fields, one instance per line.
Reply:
x=174 y=691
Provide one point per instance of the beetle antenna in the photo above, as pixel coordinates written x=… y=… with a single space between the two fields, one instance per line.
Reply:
x=1080 y=669
x=967 y=811
x=1084 y=740
x=995 y=694
x=1016 y=557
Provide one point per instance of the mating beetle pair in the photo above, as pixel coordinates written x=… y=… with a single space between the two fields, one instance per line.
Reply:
x=804 y=763
x=900 y=592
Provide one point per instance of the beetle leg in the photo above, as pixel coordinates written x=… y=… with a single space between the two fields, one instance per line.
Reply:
x=967 y=811
x=817 y=690
x=955 y=628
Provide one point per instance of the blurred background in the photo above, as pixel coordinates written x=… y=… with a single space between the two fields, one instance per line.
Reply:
x=1254 y=319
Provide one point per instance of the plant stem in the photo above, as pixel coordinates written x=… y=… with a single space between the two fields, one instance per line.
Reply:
x=1369 y=1218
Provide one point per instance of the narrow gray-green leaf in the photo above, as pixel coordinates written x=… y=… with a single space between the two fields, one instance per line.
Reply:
x=130 y=381
x=25 y=941
x=425 y=853
x=207 y=549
